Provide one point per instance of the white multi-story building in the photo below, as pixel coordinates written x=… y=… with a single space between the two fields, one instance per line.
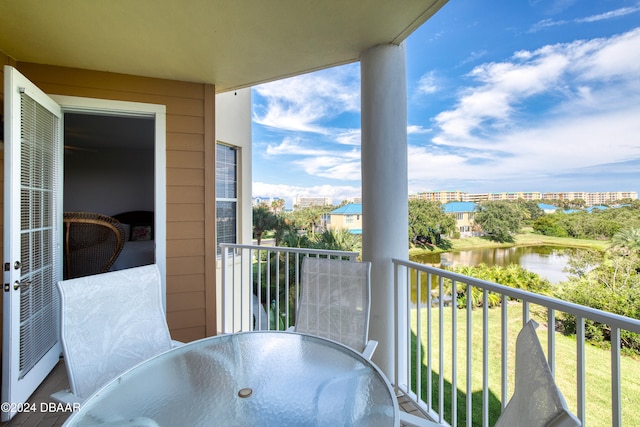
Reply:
x=307 y=202
x=439 y=196
x=591 y=199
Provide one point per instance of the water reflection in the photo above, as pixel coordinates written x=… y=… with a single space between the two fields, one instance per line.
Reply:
x=547 y=261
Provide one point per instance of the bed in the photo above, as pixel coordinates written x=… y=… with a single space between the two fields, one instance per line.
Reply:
x=139 y=247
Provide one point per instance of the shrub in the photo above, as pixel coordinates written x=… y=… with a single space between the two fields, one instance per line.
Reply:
x=614 y=287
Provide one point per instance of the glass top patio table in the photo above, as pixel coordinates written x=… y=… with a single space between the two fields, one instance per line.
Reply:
x=244 y=379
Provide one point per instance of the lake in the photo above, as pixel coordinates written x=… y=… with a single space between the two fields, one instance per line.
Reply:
x=547 y=261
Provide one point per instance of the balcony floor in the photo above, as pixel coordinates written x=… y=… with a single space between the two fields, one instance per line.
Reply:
x=57 y=380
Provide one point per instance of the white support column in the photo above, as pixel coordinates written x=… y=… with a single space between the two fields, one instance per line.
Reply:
x=384 y=185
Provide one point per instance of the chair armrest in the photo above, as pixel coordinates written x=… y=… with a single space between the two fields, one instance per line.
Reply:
x=369 y=349
x=291 y=329
x=175 y=343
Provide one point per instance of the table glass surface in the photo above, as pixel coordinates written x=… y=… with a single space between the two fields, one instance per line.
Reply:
x=246 y=379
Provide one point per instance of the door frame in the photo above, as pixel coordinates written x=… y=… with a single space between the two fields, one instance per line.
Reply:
x=75 y=104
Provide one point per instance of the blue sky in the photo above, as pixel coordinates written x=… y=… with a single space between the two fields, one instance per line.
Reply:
x=503 y=95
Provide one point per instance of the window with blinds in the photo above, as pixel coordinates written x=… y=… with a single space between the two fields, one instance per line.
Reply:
x=39 y=163
x=226 y=194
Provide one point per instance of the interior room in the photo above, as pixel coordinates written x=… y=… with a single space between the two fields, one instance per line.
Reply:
x=109 y=169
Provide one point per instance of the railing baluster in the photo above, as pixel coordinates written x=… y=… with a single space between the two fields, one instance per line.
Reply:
x=253 y=316
x=396 y=324
x=485 y=358
x=469 y=396
x=276 y=315
x=233 y=293
x=441 y=348
x=286 y=290
x=269 y=297
x=504 y=330
x=243 y=305
x=418 y=357
x=223 y=290
x=297 y=258
x=454 y=353
x=551 y=340
x=616 y=392
x=415 y=362
x=429 y=344
x=580 y=365
x=259 y=279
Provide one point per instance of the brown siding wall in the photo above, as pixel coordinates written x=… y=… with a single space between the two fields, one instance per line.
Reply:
x=4 y=60
x=190 y=268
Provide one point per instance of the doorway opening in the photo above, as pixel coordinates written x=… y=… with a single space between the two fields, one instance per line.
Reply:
x=109 y=169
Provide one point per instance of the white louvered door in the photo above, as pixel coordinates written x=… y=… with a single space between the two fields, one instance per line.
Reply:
x=32 y=238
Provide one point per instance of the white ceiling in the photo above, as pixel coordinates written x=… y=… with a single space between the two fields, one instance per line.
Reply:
x=229 y=43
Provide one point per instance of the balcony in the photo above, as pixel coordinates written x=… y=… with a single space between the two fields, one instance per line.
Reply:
x=443 y=353
x=454 y=363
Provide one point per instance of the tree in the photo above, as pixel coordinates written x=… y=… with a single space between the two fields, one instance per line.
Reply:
x=531 y=210
x=428 y=222
x=613 y=286
x=627 y=241
x=309 y=218
x=263 y=220
x=277 y=206
x=547 y=226
x=338 y=240
x=499 y=220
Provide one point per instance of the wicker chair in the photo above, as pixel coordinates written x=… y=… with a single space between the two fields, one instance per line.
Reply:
x=92 y=242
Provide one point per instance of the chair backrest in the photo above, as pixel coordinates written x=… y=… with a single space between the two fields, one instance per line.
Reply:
x=536 y=400
x=335 y=300
x=111 y=322
x=92 y=242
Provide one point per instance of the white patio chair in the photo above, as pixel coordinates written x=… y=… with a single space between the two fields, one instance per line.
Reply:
x=335 y=302
x=536 y=400
x=110 y=322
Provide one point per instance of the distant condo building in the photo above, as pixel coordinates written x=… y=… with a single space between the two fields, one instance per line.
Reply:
x=307 y=202
x=440 y=196
x=268 y=200
x=591 y=199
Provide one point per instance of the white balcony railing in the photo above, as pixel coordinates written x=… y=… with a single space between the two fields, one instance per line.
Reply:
x=441 y=337
x=445 y=352
x=261 y=285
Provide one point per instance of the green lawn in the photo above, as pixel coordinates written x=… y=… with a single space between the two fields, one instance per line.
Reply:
x=523 y=239
x=598 y=371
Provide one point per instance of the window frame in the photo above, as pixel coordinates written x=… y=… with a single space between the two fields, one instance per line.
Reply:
x=234 y=200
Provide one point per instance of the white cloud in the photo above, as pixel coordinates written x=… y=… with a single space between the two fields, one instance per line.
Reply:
x=616 y=13
x=611 y=14
x=560 y=145
x=427 y=83
x=302 y=103
x=343 y=166
x=417 y=130
x=592 y=97
x=320 y=160
x=292 y=146
x=551 y=71
x=349 y=137
x=337 y=193
x=606 y=59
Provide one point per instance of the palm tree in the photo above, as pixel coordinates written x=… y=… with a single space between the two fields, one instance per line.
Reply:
x=338 y=240
x=627 y=241
x=263 y=220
